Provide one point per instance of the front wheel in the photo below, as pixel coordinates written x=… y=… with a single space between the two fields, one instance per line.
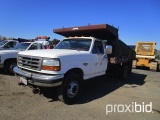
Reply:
x=9 y=65
x=70 y=89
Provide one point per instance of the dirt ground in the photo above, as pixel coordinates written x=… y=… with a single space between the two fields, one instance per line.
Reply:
x=98 y=97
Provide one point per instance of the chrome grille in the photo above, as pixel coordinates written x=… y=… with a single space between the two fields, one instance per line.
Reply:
x=30 y=62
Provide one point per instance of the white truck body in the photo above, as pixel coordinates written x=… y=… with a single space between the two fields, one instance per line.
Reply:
x=75 y=59
x=91 y=65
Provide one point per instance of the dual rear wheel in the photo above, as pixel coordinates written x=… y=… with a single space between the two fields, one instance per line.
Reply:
x=124 y=72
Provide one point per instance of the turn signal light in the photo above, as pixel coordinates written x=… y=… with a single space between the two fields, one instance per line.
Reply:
x=51 y=68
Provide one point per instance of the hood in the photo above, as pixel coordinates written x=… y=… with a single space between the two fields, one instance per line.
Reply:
x=52 y=53
x=8 y=51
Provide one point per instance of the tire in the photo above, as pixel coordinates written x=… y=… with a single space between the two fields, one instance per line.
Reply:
x=124 y=73
x=153 y=66
x=8 y=66
x=130 y=67
x=158 y=67
x=70 y=89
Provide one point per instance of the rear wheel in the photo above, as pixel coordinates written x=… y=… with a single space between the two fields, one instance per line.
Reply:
x=70 y=89
x=129 y=67
x=124 y=72
x=8 y=66
x=153 y=66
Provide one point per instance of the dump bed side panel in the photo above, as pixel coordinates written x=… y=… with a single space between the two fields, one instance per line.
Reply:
x=121 y=53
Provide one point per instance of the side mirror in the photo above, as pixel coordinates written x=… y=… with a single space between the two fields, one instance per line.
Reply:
x=108 y=49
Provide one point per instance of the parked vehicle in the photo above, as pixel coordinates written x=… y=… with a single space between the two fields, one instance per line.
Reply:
x=7 y=44
x=146 y=56
x=86 y=52
x=10 y=44
x=8 y=57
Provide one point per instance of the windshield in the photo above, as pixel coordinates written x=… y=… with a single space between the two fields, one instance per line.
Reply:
x=2 y=43
x=75 y=44
x=22 y=46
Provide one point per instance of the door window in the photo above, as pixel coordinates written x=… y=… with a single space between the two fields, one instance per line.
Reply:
x=98 y=48
x=11 y=44
x=33 y=46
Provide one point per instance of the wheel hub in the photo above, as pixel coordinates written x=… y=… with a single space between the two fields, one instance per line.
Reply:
x=72 y=89
x=11 y=67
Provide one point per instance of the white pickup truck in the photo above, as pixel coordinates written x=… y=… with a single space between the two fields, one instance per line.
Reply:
x=73 y=60
x=8 y=44
x=8 y=57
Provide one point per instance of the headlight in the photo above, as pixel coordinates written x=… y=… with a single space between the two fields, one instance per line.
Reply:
x=51 y=64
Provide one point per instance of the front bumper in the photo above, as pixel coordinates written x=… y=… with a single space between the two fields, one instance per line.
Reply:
x=41 y=80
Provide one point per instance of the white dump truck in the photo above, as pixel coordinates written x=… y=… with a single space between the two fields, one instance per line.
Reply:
x=85 y=52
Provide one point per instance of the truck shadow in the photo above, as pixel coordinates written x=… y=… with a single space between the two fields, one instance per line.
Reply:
x=146 y=69
x=103 y=86
x=1 y=71
x=142 y=68
x=99 y=87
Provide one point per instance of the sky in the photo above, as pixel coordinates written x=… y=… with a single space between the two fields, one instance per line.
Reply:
x=137 y=20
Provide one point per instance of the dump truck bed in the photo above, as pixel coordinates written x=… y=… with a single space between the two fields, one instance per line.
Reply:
x=121 y=52
x=145 y=48
x=101 y=31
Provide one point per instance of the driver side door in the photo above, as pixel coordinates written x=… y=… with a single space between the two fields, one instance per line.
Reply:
x=99 y=59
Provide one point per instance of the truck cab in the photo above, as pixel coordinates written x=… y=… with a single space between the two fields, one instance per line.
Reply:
x=95 y=62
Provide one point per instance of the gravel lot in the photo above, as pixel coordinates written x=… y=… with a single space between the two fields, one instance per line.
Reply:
x=143 y=86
